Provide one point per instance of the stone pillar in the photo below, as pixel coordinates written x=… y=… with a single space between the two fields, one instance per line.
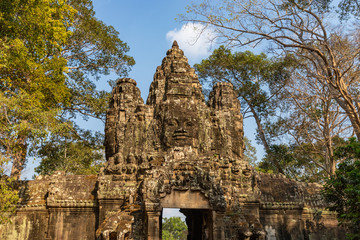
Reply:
x=153 y=225
x=218 y=220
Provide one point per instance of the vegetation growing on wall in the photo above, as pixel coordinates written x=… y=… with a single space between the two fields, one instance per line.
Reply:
x=342 y=190
x=173 y=228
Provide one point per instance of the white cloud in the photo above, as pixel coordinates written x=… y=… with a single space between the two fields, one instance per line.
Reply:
x=194 y=39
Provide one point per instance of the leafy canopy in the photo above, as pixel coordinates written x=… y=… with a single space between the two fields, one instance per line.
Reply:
x=256 y=79
x=252 y=76
x=342 y=190
x=173 y=228
x=51 y=50
x=8 y=198
x=93 y=50
x=33 y=85
x=71 y=155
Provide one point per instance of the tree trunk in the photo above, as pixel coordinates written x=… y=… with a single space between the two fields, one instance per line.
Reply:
x=353 y=116
x=262 y=136
x=330 y=163
x=19 y=151
x=346 y=102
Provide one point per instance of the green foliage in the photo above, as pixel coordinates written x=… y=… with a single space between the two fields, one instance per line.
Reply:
x=285 y=158
x=256 y=79
x=342 y=190
x=33 y=86
x=94 y=49
x=8 y=198
x=295 y=162
x=249 y=152
x=73 y=156
x=50 y=52
x=174 y=228
x=349 y=150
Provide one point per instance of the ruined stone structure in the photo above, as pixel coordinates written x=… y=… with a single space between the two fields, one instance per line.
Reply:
x=175 y=151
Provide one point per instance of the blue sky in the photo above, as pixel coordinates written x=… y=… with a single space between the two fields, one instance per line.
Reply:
x=149 y=27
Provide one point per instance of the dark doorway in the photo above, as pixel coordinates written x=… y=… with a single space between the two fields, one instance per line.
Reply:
x=199 y=222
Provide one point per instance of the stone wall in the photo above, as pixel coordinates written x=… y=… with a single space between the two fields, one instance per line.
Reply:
x=55 y=207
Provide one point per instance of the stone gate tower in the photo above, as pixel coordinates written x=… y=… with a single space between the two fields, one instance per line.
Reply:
x=175 y=151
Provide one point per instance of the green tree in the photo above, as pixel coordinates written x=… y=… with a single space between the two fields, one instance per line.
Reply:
x=32 y=84
x=249 y=152
x=72 y=156
x=93 y=50
x=8 y=198
x=342 y=190
x=256 y=79
x=51 y=51
x=174 y=228
x=284 y=158
x=296 y=162
x=32 y=87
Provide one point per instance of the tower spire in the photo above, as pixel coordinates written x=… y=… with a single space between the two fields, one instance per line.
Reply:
x=175 y=79
x=175 y=44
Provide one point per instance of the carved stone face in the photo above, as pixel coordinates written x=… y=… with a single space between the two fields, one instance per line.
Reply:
x=181 y=126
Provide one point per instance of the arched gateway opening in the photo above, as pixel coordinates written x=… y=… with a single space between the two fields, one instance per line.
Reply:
x=199 y=223
x=197 y=211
